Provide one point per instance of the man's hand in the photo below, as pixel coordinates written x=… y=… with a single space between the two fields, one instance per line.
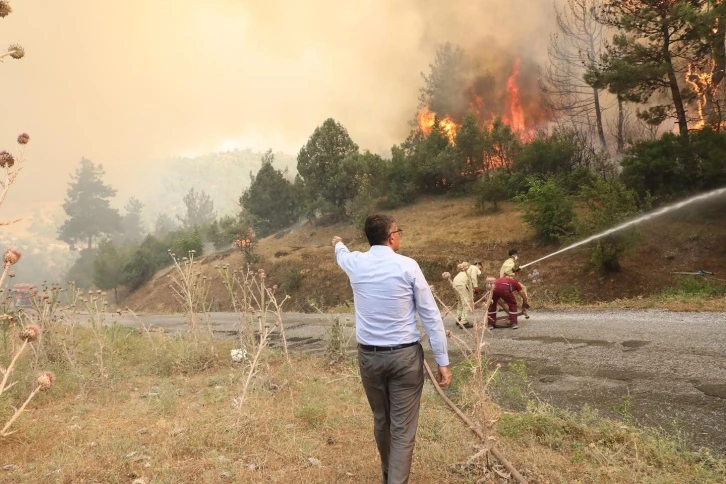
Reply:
x=525 y=305
x=443 y=376
x=336 y=239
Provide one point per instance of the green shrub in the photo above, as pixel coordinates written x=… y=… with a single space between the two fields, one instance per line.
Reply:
x=695 y=286
x=569 y=295
x=491 y=190
x=187 y=241
x=294 y=279
x=548 y=209
x=139 y=270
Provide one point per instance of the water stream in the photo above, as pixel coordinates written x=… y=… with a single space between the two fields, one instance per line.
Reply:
x=635 y=221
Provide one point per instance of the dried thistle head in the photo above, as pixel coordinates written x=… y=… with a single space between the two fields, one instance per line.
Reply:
x=5 y=9
x=45 y=380
x=23 y=138
x=16 y=51
x=6 y=159
x=11 y=256
x=30 y=333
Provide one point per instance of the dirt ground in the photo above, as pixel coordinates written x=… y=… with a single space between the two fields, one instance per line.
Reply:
x=441 y=232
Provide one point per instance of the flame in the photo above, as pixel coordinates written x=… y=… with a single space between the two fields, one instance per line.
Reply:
x=700 y=83
x=516 y=113
x=513 y=113
x=426 y=120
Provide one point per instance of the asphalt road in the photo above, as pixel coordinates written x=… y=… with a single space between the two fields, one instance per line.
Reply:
x=669 y=367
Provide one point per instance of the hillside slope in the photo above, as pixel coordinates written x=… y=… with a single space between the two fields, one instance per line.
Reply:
x=441 y=232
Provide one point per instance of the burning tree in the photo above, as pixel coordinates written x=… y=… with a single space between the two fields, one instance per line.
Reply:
x=651 y=54
x=489 y=85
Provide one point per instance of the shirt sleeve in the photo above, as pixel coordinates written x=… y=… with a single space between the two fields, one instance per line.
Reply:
x=516 y=285
x=343 y=257
x=430 y=316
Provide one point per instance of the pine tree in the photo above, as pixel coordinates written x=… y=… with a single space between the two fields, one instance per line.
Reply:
x=650 y=54
x=132 y=224
x=271 y=199
x=320 y=160
x=199 y=210
x=87 y=206
x=107 y=267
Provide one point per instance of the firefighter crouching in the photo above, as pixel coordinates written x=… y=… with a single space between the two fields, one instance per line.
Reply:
x=504 y=288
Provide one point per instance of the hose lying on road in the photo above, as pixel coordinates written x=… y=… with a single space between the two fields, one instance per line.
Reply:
x=495 y=452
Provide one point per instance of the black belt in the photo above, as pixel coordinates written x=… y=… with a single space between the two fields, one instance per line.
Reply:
x=385 y=348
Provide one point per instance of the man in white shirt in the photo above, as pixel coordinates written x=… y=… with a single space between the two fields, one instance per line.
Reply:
x=388 y=290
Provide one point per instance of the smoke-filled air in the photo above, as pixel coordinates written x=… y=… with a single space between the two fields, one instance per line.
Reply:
x=129 y=86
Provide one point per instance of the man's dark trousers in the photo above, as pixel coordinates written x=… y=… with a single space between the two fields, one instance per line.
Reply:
x=393 y=382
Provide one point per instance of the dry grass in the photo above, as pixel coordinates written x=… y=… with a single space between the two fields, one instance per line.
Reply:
x=440 y=232
x=164 y=419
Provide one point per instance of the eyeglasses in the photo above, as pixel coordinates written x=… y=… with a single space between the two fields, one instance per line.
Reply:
x=399 y=232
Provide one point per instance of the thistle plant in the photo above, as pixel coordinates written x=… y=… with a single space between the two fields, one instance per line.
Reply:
x=29 y=334
x=191 y=289
x=10 y=167
x=253 y=302
x=15 y=51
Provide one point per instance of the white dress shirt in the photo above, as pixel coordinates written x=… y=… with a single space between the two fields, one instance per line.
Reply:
x=388 y=290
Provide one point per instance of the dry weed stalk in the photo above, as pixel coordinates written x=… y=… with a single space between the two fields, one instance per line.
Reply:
x=11 y=166
x=238 y=284
x=44 y=381
x=338 y=343
x=191 y=289
x=96 y=305
x=252 y=299
x=28 y=334
x=475 y=352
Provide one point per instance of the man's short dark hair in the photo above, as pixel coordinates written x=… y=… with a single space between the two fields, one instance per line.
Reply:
x=512 y=252
x=378 y=228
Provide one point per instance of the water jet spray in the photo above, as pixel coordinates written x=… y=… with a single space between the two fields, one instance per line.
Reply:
x=642 y=218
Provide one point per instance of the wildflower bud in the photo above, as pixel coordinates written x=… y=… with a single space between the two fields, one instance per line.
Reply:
x=46 y=380
x=274 y=288
x=23 y=138
x=16 y=51
x=30 y=333
x=5 y=9
x=6 y=159
x=11 y=274
x=11 y=256
x=446 y=276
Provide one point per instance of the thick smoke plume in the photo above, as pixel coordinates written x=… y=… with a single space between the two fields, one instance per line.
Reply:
x=128 y=84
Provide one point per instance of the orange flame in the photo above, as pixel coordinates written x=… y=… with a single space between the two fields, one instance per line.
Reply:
x=700 y=84
x=513 y=115
x=516 y=113
x=426 y=120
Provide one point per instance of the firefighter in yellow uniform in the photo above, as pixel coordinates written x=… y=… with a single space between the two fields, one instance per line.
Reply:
x=466 y=284
x=507 y=269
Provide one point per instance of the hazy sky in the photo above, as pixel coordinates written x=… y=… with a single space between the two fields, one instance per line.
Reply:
x=127 y=83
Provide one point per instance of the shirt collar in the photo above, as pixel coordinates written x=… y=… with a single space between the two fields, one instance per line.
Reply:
x=381 y=249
